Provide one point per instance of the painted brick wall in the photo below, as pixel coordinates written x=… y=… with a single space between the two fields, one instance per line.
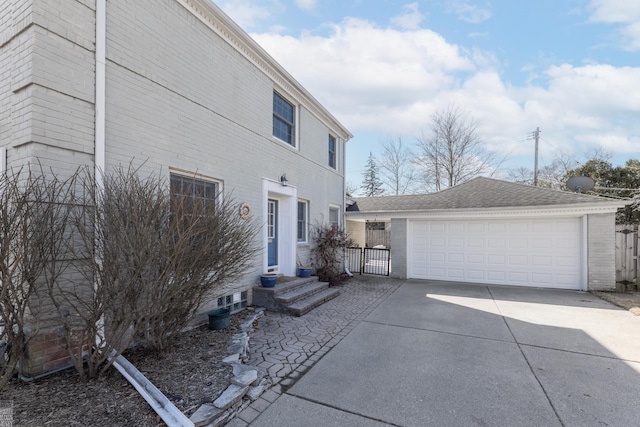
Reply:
x=601 y=252
x=178 y=97
x=15 y=48
x=399 y=245
x=46 y=89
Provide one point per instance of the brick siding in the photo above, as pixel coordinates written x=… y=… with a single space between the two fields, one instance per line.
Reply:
x=601 y=252
x=179 y=97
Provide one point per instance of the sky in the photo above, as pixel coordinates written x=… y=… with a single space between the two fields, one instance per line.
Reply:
x=384 y=67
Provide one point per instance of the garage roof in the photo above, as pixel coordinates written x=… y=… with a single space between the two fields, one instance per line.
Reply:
x=481 y=193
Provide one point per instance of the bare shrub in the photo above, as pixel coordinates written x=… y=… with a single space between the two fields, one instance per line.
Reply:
x=201 y=248
x=89 y=295
x=33 y=228
x=328 y=252
x=112 y=263
x=149 y=259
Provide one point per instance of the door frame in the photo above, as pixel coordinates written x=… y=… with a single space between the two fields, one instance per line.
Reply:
x=286 y=226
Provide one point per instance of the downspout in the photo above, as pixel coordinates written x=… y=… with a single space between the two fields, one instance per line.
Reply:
x=584 y=285
x=101 y=90
x=344 y=180
x=344 y=200
x=100 y=122
x=169 y=413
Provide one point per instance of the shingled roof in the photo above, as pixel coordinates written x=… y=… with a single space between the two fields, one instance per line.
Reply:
x=479 y=193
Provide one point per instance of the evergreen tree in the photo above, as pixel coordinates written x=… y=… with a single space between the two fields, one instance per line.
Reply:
x=371 y=185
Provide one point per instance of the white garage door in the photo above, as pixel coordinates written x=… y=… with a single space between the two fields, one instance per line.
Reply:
x=521 y=252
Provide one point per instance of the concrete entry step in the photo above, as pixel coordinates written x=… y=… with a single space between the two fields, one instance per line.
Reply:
x=303 y=291
x=293 y=295
x=307 y=304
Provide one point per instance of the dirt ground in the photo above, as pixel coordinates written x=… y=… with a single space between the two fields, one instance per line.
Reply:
x=629 y=300
x=189 y=374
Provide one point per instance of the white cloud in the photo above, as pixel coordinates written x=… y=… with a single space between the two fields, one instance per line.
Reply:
x=469 y=12
x=306 y=4
x=389 y=81
x=364 y=72
x=626 y=13
x=596 y=88
x=614 y=11
x=410 y=19
x=247 y=13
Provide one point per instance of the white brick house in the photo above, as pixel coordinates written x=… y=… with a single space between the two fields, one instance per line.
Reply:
x=176 y=86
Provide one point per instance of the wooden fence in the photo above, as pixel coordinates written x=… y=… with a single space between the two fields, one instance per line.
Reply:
x=627 y=243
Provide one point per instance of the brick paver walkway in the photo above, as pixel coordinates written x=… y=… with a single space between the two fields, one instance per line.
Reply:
x=286 y=346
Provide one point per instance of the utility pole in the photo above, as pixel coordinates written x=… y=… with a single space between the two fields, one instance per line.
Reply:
x=536 y=135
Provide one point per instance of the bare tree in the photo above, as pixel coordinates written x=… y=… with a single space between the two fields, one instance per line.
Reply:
x=396 y=166
x=351 y=189
x=554 y=174
x=551 y=176
x=520 y=175
x=452 y=152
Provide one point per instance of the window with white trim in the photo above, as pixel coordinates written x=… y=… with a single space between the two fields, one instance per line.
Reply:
x=332 y=151
x=334 y=217
x=303 y=211
x=200 y=191
x=284 y=117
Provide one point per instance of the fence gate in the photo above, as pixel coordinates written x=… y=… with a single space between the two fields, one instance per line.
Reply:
x=369 y=261
x=354 y=260
x=627 y=259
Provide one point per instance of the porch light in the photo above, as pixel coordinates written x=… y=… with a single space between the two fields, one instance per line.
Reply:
x=283 y=180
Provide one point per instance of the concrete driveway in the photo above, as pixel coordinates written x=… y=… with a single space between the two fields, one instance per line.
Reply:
x=445 y=354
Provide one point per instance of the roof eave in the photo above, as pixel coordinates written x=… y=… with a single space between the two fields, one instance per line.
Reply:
x=498 y=212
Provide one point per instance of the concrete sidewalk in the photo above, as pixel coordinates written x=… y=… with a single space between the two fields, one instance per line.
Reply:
x=436 y=353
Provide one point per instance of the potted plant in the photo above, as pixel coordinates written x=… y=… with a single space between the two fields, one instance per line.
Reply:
x=268 y=280
x=219 y=318
x=304 y=271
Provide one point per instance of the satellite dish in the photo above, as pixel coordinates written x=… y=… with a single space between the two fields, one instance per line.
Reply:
x=580 y=184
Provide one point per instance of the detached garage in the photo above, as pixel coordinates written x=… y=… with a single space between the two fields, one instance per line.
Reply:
x=497 y=232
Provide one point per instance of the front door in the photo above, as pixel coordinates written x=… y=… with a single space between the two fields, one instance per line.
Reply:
x=272 y=232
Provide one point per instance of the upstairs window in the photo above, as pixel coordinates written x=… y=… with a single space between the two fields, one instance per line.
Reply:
x=283 y=119
x=332 y=151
